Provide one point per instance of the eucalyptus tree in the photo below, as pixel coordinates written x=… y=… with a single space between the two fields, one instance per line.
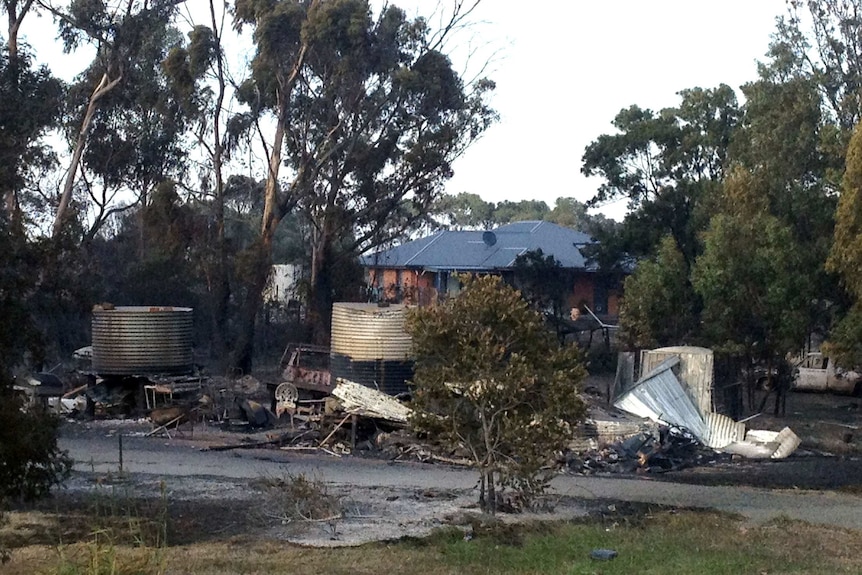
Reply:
x=572 y=213
x=462 y=211
x=508 y=211
x=787 y=140
x=667 y=165
x=754 y=298
x=820 y=41
x=16 y=11
x=30 y=107
x=369 y=116
x=123 y=126
x=199 y=79
x=845 y=258
x=660 y=305
x=30 y=104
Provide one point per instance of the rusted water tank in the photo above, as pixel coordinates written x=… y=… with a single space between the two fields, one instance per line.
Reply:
x=141 y=340
x=370 y=346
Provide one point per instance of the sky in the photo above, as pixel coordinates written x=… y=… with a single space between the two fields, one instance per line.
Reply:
x=564 y=69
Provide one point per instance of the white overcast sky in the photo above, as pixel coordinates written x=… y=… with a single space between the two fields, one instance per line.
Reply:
x=563 y=69
x=568 y=67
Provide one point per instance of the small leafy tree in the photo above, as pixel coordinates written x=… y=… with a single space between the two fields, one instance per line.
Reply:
x=659 y=305
x=31 y=463
x=845 y=257
x=492 y=380
x=543 y=281
x=755 y=304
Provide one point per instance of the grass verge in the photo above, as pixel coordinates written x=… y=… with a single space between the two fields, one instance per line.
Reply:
x=652 y=541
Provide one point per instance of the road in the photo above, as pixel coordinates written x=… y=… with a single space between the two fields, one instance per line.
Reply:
x=169 y=458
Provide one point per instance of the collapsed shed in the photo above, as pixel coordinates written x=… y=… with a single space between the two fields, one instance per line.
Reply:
x=676 y=389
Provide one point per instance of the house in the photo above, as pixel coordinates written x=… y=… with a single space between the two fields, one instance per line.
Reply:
x=422 y=269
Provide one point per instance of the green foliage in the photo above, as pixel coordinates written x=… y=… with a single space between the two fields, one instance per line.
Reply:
x=30 y=103
x=30 y=461
x=844 y=346
x=126 y=127
x=508 y=211
x=491 y=380
x=372 y=116
x=653 y=151
x=667 y=166
x=819 y=41
x=659 y=308
x=845 y=258
x=470 y=211
x=846 y=255
x=463 y=211
x=786 y=142
x=755 y=301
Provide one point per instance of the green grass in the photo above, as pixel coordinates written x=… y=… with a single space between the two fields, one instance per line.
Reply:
x=650 y=541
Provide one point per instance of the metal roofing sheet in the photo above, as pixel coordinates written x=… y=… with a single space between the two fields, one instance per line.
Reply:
x=463 y=250
x=660 y=396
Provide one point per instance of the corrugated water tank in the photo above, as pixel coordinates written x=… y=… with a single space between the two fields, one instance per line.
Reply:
x=141 y=340
x=370 y=346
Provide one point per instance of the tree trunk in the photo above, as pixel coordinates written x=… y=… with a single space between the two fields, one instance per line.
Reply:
x=492 y=493
x=220 y=287
x=273 y=211
x=260 y=256
x=105 y=86
x=320 y=304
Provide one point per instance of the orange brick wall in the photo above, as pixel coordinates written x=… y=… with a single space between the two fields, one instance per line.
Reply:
x=614 y=297
x=582 y=289
x=582 y=292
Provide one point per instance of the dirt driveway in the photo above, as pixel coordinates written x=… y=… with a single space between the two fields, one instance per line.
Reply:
x=391 y=499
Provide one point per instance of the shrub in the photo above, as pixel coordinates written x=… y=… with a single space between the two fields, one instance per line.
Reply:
x=492 y=380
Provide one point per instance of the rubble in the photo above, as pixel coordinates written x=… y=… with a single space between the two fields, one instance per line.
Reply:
x=360 y=400
x=666 y=449
x=656 y=424
x=663 y=397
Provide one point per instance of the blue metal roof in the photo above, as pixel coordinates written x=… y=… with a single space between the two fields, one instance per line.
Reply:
x=482 y=250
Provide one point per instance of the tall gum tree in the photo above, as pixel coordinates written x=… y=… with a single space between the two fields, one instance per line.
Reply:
x=198 y=78
x=122 y=35
x=820 y=41
x=31 y=106
x=667 y=164
x=754 y=298
x=369 y=116
x=381 y=116
x=786 y=139
x=281 y=48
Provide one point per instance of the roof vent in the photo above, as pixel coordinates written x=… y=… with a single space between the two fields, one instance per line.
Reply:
x=490 y=238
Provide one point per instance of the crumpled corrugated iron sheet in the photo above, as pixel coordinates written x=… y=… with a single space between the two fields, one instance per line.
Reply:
x=662 y=397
